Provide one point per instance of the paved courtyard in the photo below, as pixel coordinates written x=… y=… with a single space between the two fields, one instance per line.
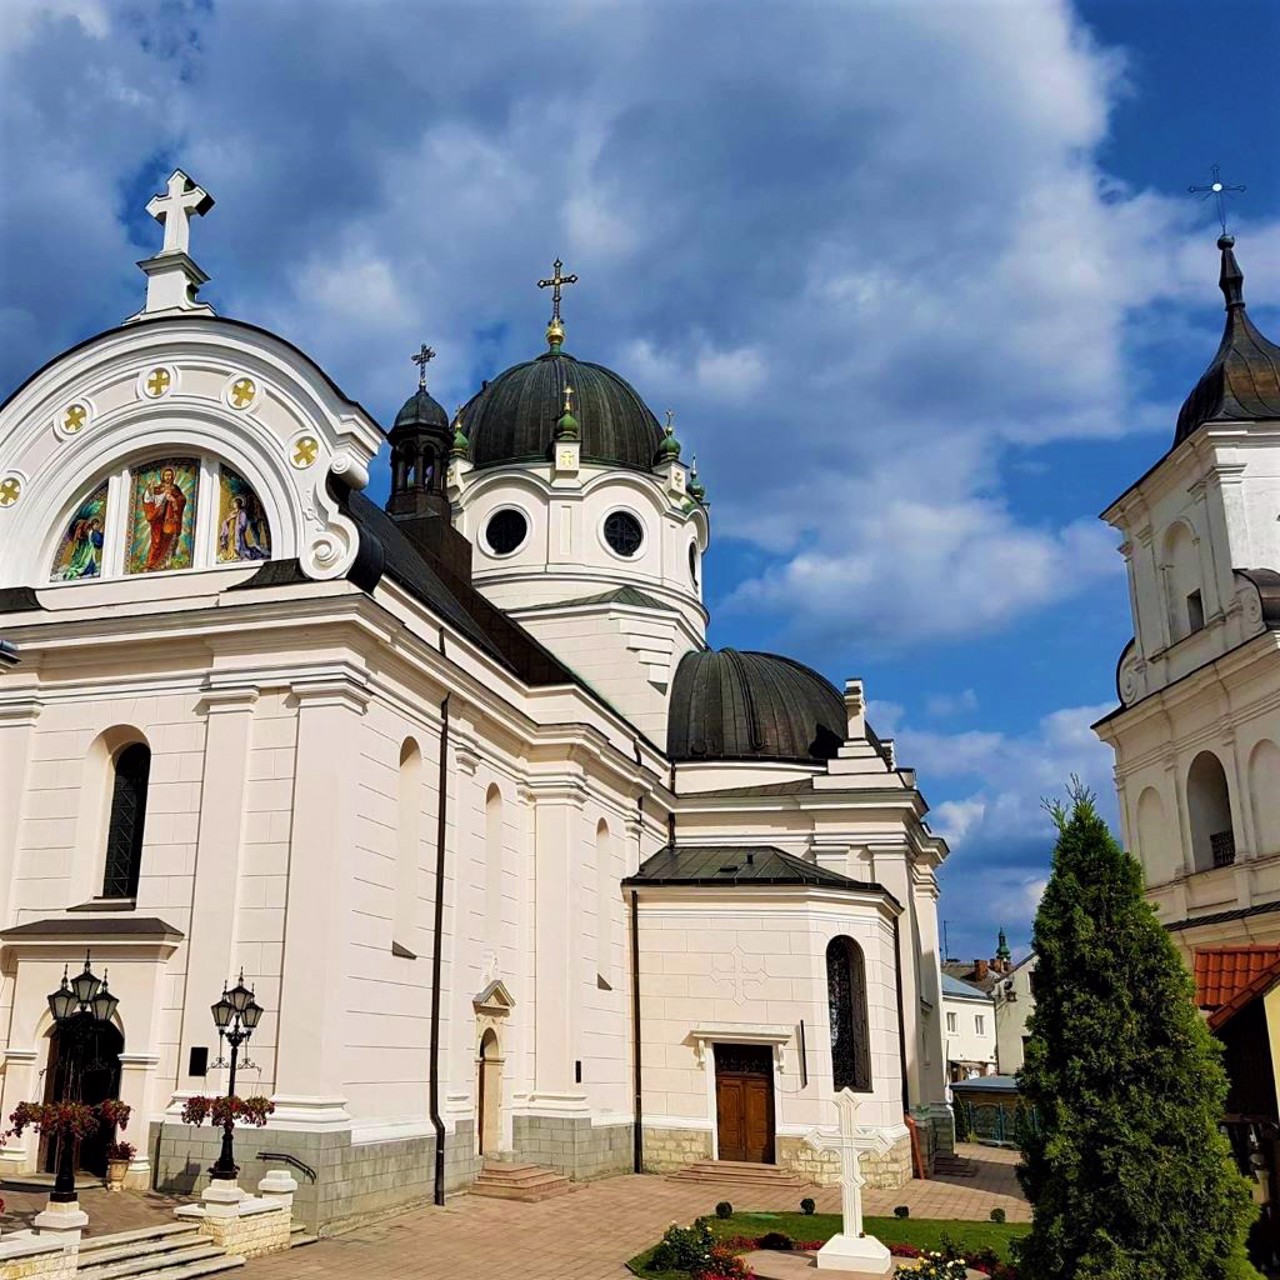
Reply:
x=588 y=1234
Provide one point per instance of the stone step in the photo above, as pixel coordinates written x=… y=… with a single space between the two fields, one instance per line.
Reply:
x=191 y=1271
x=299 y=1236
x=90 y=1244
x=768 y=1175
x=526 y=1182
x=146 y=1260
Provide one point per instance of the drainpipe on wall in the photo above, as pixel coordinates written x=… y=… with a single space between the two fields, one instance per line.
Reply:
x=637 y=1136
x=442 y=809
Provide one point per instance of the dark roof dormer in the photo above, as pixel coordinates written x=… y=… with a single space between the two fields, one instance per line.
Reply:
x=1242 y=383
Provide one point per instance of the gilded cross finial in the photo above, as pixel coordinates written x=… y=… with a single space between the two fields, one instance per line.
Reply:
x=568 y=399
x=554 y=284
x=671 y=421
x=1219 y=190
x=424 y=357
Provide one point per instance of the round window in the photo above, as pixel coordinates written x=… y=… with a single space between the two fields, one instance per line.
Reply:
x=506 y=531
x=624 y=533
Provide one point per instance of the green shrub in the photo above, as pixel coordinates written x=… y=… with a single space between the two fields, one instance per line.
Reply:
x=997 y=1214
x=683 y=1248
x=724 y=1209
x=902 y=1211
x=807 y=1205
x=1128 y=1175
x=776 y=1240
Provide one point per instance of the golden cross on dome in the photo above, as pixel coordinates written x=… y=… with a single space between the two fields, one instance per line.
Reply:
x=671 y=421
x=1219 y=191
x=554 y=284
x=423 y=358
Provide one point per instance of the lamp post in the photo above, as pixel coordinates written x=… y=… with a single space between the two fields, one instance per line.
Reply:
x=79 y=1007
x=235 y=1016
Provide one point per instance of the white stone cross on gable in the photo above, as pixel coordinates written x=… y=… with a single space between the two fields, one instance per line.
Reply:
x=852 y=1141
x=174 y=209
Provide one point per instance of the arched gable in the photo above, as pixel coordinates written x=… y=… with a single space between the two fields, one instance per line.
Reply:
x=217 y=391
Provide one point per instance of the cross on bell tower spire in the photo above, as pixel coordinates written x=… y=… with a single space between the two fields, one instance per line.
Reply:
x=1220 y=191
x=423 y=357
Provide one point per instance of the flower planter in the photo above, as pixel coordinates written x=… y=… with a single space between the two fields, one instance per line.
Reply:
x=116 y=1169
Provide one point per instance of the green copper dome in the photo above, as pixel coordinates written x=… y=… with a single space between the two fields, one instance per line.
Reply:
x=514 y=418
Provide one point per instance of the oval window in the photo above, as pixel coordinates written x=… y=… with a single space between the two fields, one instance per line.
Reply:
x=624 y=533
x=506 y=531
x=693 y=563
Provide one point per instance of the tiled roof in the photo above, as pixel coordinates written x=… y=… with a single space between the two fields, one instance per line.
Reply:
x=1228 y=978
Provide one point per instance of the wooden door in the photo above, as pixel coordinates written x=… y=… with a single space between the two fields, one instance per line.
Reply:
x=744 y=1102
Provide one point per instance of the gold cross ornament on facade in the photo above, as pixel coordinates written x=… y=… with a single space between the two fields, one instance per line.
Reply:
x=568 y=399
x=305 y=450
x=10 y=491
x=158 y=382
x=74 y=418
x=554 y=284
x=242 y=392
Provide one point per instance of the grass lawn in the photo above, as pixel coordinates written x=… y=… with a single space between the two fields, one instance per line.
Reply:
x=924 y=1233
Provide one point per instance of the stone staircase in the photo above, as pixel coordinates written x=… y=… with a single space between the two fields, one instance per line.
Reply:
x=747 y=1175
x=177 y=1252
x=526 y=1182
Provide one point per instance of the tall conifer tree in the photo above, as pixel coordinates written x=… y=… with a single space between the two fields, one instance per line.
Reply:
x=1129 y=1177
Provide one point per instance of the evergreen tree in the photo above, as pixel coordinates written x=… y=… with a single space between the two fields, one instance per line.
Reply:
x=1129 y=1176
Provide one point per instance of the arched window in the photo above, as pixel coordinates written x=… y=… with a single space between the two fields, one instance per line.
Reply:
x=850 y=1034
x=1213 y=841
x=408 y=840
x=1182 y=582
x=128 y=818
x=493 y=865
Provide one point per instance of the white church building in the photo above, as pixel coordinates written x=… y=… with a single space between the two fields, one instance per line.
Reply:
x=518 y=866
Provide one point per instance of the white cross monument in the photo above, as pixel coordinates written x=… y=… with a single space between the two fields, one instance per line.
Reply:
x=172 y=277
x=851 y=1250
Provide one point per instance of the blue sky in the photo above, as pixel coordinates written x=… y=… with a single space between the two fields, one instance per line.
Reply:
x=922 y=280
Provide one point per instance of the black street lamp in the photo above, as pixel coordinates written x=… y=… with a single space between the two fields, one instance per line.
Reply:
x=235 y=1015
x=79 y=1007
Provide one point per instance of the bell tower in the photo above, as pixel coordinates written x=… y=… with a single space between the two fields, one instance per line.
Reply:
x=420 y=442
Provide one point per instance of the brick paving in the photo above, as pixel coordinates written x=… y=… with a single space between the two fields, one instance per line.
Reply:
x=590 y=1233
x=109 y=1211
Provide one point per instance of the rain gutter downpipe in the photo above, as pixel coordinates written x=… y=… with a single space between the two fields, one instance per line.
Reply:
x=442 y=811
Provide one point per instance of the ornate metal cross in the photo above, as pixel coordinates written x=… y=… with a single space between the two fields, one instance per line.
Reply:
x=422 y=359
x=852 y=1142
x=181 y=199
x=554 y=284
x=1219 y=191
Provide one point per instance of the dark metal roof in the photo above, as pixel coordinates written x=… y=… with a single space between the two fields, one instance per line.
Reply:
x=1242 y=382
x=1224 y=917
x=384 y=548
x=421 y=410
x=102 y=926
x=796 y=787
x=514 y=417
x=741 y=865
x=621 y=595
x=727 y=705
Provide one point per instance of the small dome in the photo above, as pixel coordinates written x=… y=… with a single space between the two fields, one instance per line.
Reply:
x=727 y=705
x=421 y=410
x=1242 y=384
x=514 y=418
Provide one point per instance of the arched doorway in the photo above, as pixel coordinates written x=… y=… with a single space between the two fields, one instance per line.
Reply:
x=96 y=1079
x=489 y=1092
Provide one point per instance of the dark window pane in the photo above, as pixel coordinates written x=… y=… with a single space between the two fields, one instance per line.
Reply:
x=506 y=531
x=128 y=818
x=623 y=532
x=850 y=1034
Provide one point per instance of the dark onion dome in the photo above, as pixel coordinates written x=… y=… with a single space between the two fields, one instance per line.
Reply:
x=514 y=418
x=422 y=410
x=728 y=705
x=1242 y=384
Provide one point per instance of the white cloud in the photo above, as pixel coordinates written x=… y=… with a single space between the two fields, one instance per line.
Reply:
x=942 y=705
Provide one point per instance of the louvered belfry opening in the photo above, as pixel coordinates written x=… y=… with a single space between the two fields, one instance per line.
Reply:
x=128 y=821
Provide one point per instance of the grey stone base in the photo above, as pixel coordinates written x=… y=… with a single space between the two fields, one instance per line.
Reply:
x=350 y=1181
x=573 y=1146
